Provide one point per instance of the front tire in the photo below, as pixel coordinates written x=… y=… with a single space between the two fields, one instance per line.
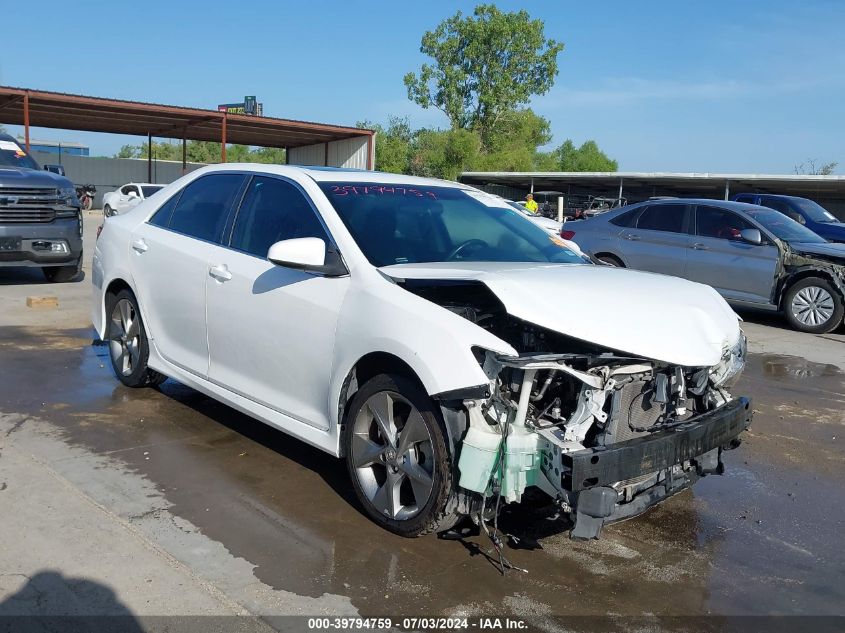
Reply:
x=107 y=211
x=129 y=348
x=813 y=305
x=398 y=456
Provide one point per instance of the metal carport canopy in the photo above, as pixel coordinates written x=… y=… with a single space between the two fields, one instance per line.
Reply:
x=712 y=184
x=23 y=106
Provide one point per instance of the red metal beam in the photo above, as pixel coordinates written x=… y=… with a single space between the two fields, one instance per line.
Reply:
x=223 y=144
x=26 y=119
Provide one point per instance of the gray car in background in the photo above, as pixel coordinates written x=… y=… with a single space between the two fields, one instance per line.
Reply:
x=752 y=255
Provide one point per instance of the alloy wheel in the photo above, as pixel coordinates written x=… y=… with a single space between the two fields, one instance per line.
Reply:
x=812 y=306
x=124 y=337
x=393 y=456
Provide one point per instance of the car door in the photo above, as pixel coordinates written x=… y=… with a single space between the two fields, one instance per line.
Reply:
x=169 y=265
x=121 y=201
x=271 y=329
x=659 y=241
x=719 y=257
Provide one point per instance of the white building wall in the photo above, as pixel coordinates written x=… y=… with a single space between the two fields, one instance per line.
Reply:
x=351 y=153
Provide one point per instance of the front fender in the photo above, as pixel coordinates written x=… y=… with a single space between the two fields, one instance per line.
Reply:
x=435 y=343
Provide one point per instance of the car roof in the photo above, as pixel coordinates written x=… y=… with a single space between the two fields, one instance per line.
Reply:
x=145 y=184
x=334 y=174
x=726 y=204
x=8 y=137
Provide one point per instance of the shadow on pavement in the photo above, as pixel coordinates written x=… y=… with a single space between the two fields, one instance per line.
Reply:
x=50 y=601
x=30 y=275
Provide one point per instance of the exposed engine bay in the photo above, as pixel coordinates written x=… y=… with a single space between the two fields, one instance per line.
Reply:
x=603 y=433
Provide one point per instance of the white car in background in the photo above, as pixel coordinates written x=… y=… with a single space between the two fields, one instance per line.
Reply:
x=449 y=349
x=129 y=195
x=550 y=226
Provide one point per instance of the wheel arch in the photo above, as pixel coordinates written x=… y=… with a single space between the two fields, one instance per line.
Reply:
x=599 y=254
x=366 y=367
x=112 y=288
x=803 y=273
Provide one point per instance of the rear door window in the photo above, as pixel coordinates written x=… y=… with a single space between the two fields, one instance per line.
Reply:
x=204 y=206
x=628 y=218
x=663 y=217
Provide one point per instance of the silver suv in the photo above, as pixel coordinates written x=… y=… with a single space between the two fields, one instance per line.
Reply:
x=753 y=256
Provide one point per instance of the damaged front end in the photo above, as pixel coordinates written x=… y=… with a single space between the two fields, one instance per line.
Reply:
x=605 y=436
x=603 y=433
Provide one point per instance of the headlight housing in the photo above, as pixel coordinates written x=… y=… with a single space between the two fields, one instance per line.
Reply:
x=68 y=196
x=730 y=367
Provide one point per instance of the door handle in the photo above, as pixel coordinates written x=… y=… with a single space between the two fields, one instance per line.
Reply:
x=140 y=246
x=220 y=273
x=700 y=247
x=632 y=237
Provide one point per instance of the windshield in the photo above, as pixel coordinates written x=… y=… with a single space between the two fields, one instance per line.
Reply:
x=815 y=211
x=148 y=191
x=783 y=227
x=13 y=155
x=406 y=224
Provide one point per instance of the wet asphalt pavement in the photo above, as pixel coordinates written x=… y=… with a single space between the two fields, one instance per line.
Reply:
x=765 y=538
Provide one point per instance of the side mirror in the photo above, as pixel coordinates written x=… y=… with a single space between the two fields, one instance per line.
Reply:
x=55 y=169
x=309 y=254
x=752 y=236
x=133 y=194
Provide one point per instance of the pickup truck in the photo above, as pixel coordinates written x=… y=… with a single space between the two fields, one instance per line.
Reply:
x=803 y=210
x=40 y=216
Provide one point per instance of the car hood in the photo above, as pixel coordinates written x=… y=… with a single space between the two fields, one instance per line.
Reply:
x=13 y=177
x=829 y=250
x=831 y=229
x=644 y=314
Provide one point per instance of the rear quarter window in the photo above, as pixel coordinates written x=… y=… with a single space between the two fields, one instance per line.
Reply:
x=628 y=218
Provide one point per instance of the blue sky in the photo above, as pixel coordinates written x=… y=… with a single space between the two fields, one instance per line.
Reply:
x=719 y=86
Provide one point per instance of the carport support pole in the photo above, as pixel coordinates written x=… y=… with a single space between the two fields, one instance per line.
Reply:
x=184 y=154
x=532 y=186
x=223 y=141
x=621 y=182
x=26 y=119
x=727 y=190
x=149 y=157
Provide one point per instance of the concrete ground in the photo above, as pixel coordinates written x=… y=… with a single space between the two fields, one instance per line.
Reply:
x=149 y=503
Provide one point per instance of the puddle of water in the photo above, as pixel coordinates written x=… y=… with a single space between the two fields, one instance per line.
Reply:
x=780 y=366
x=289 y=509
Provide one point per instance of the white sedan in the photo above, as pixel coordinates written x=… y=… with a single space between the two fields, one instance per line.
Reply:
x=129 y=195
x=451 y=351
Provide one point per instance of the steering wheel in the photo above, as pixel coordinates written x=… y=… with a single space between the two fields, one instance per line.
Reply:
x=464 y=245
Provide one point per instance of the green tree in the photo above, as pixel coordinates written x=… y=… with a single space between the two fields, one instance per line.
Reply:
x=513 y=145
x=393 y=144
x=485 y=66
x=588 y=157
x=809 y=167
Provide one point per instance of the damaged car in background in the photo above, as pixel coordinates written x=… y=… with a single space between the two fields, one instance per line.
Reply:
x=754 y=256
x=455 y=354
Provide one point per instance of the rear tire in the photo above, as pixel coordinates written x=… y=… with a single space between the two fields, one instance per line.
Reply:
x=610 y=260
x=63 y=274
x=399 y=457
x=129 y=348
x=813 y=305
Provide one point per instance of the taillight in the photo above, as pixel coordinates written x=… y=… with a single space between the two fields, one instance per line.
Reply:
x=567 y=235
